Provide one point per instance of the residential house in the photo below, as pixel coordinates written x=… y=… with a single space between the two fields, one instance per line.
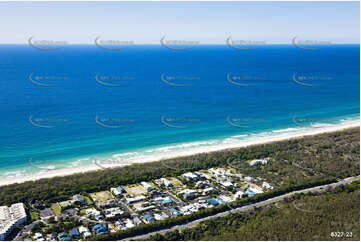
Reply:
x=147 y=186
x=189 y=176
x=257 y=162
x=267 y=185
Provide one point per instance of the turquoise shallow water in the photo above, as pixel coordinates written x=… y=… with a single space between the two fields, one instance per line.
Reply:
x=68 y=107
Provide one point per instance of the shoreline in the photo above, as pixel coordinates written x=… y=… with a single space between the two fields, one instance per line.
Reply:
x=174 y=154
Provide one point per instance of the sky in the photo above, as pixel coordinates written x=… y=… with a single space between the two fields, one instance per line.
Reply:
x=205 y=22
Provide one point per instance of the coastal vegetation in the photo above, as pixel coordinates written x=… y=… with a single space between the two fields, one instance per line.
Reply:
x=328 y=216
x=292 y=162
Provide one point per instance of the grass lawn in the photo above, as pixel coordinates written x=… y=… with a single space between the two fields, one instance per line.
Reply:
x=101 y=196
x=135 y=190
x=34 y=215
x=64 y=204
x=56 y=209
x=88 y=200
x=175 y=182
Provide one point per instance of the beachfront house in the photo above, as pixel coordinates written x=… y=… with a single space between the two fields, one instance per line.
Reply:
x=257 y=162
x=189 y=176
x=147 y=186
x=117 y=191
x=79 y=198
x=163 y=182
x=219 y=172
x=200 y=175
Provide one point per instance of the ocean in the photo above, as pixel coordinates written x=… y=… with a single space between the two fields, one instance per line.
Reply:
x=71 y=106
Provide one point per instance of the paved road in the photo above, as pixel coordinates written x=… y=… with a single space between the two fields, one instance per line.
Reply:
x=250 y=207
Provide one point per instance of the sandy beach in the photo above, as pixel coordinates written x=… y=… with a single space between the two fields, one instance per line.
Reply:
x=173 y=154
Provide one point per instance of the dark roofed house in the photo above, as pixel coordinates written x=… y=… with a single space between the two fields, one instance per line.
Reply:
x=121 y=189
x=74 y=233
x=78 y=198
x=149 y=218
x=100 y=229
x=174 y=212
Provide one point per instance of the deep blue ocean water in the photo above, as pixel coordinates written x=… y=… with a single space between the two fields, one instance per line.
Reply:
x=66 y=107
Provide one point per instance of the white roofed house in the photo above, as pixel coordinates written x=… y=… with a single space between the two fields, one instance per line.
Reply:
x=239 y=195
x=200 y=175
x=188 y=194
x=164 y=182
x=134 y=199
x=208 y=190
x=225 y=198
x=267 y=185
x=258 y=162
x=79 y=198
x=201 y=184
x=129 y=223
x=250 y=179
x=112 y=212
x=141 y=207
x=189 y=176
x=85 y=232
x=226 y=184
x=219 y=172
x=117 y=191
x=147 y=186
